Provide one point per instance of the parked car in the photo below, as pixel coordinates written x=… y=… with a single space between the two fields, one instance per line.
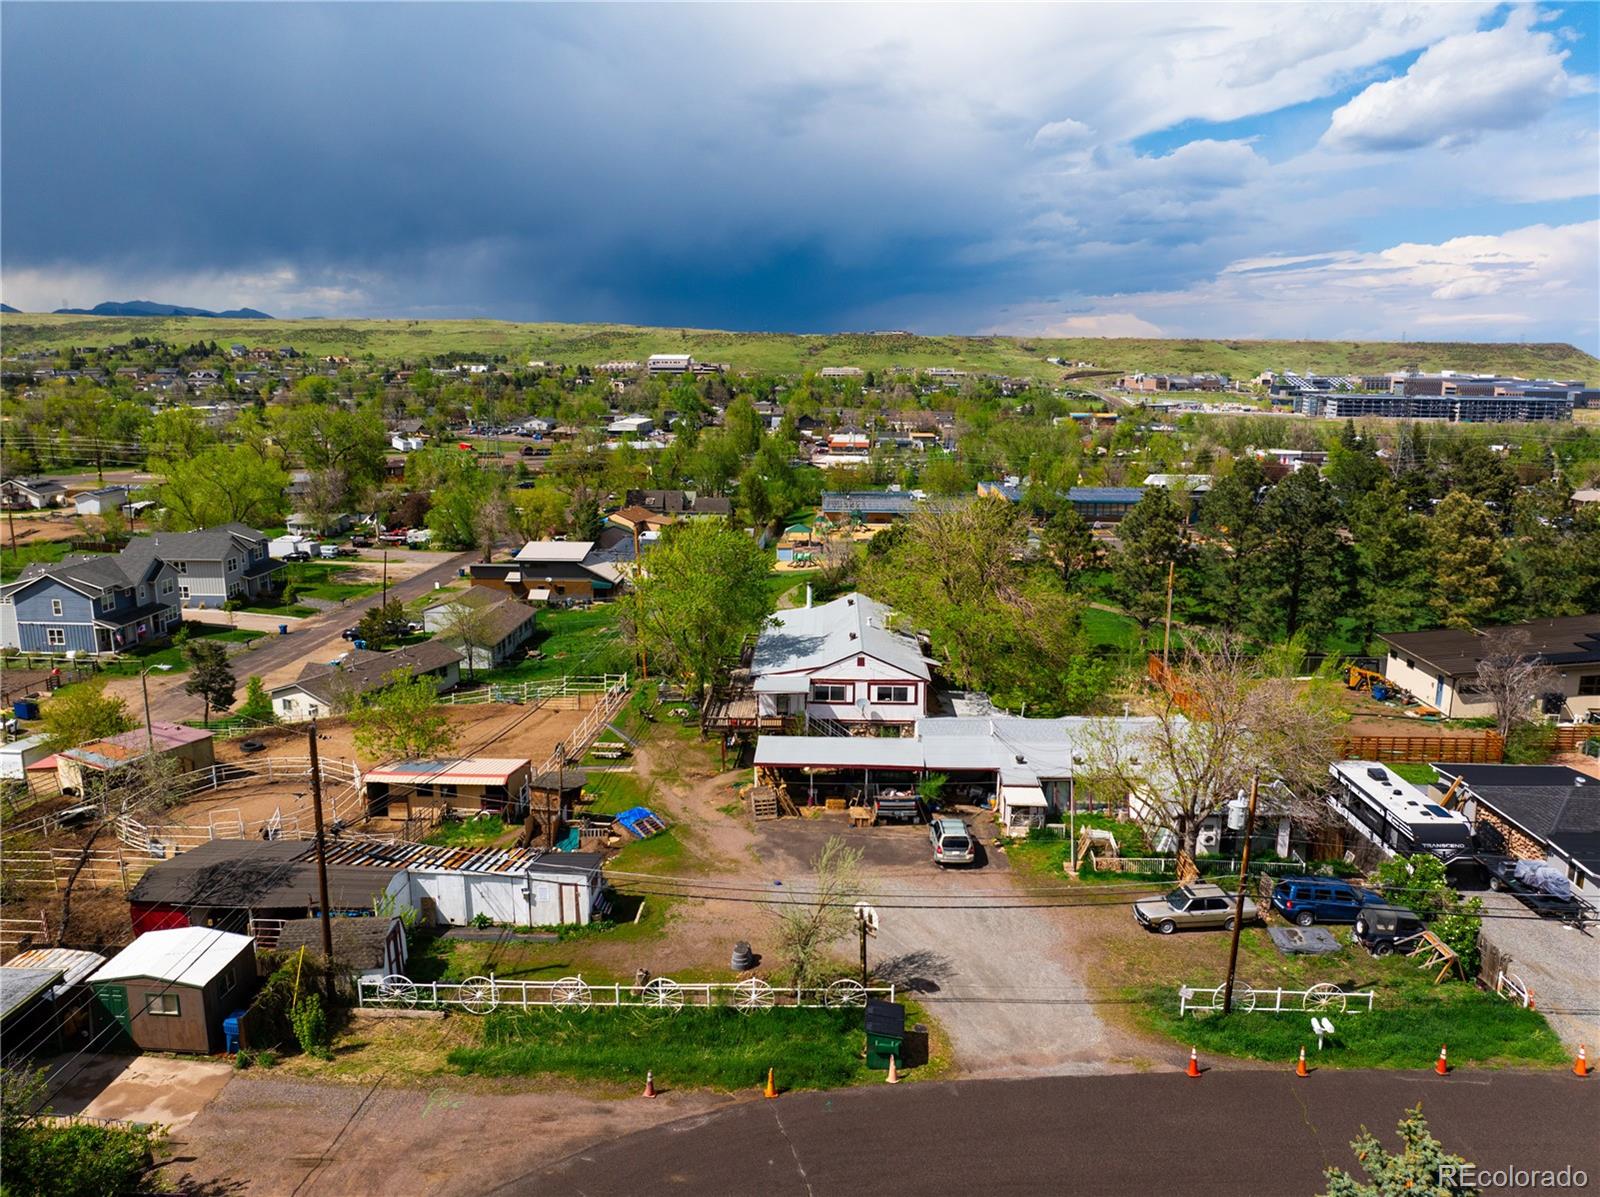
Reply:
x=297 y=555
x=351 y=633
x=328 y=551
x=952 y=842
x=361 y=542
x=1308 y=900
x=1382 y=928
x=1199 y=905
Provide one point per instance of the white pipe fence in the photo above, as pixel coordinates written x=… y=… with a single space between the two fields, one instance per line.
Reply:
x=1319 y=999
x=577 y=743
x=537 y=692
x=480 y=995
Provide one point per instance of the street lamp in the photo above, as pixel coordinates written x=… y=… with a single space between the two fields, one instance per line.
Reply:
x=144 y=686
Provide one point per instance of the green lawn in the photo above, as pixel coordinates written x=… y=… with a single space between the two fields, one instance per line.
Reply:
x=132 y=663
x=1416 y=774
x=1110 y=629
x=328 y=580
x=468 y=833
x=579 y=642
x=716 y=1048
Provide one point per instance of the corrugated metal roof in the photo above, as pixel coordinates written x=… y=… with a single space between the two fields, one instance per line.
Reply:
x=74 y=964
x=477 y=770
x=439 y=858
x=806 y=638
x=181 y=955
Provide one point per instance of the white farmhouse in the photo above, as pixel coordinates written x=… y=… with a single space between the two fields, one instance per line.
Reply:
x=840 y=661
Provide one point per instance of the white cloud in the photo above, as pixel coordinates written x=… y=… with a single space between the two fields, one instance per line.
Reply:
x=1063 y=134
x=1104 y=324
x=1504 y=78
x=277 y=290
x=1539 y=276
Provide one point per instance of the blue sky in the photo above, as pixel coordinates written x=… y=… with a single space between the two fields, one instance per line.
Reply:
x=1338 y=170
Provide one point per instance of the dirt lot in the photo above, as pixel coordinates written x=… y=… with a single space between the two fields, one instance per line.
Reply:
x=487 y=729
x=139 y=1088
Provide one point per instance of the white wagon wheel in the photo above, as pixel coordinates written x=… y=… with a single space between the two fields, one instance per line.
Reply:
x=1244 y=998
x=395 y=990
x=478 y=995
x=663 y=993
x=846 y=991
x=1324 y=996
x=572 y=992
x=753 y=994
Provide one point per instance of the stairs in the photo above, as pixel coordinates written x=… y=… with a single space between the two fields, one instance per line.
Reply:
x=822 y=726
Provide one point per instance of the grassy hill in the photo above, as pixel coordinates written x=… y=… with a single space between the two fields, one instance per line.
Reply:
x=789 y=353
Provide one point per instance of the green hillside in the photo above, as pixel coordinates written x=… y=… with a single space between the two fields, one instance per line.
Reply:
x=572 y=344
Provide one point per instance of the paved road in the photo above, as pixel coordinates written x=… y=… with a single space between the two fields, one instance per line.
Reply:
x=168 y=701
x=1234 y=1133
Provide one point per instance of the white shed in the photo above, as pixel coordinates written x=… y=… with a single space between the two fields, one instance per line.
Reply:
x=16 y=756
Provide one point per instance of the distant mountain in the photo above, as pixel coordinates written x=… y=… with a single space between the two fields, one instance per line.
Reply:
x=6 y=307
x=143 y=307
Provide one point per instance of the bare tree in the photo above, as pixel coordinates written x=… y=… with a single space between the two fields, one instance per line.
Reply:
x=1222 y=718
x=472 y=629
x=1511 y=676
x=807 y=927
x=491 y=524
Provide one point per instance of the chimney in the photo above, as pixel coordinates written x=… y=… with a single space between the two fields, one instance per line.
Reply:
x=808 y=594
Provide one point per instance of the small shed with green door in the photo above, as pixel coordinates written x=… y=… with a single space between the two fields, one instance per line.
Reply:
x=170 y=990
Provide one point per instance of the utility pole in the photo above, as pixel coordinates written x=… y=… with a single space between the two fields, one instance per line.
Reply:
x=384 y=602
x=322 y=858
x=1166 y=639
x=1238 y=901
x=866 y=924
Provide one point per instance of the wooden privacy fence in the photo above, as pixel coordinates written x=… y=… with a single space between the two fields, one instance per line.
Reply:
x=1486 y=748
x=480 y=995
x=1569 y=739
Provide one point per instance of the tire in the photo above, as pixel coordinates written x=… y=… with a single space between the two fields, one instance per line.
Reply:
x=1230 y=924
x=1305 y=918
x=1166 y=926
x=1497 y=885
x=1383 y=949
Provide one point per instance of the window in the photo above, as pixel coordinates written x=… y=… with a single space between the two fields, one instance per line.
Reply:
x=181 y=566
x=233 y=564
x=1589 y=687
x=164 y=1004
x=183 y=593
x=55 y=636
x=891 y=694
x=831 y=692
x=230 y=977
x=55 y=607
x=168 y=585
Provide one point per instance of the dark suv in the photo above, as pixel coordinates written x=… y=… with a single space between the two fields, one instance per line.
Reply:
x=1382 y=929
x=1308 y=900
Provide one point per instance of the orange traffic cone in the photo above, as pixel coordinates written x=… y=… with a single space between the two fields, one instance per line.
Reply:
x=649 y=1084
x=771 y=1090
x=894 y=1071
x=1194 y=1064
x=1441 y=1065
x=1580 y=1066
x=1300 y=1068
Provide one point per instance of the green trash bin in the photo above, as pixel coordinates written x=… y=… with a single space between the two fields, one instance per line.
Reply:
x=886 y=1033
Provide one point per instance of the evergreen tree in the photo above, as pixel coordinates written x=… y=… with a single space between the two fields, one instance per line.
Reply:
x=1422 y=1168
x=1300 y=574
x=1154 y=539
x=1393 y=568
x=1468 y=561
x=210 y=675
x=1230 y=520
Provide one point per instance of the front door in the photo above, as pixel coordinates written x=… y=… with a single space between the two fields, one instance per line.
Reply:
x=114 y=998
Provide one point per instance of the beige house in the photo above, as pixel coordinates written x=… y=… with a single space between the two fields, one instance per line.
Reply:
x=1440 y=666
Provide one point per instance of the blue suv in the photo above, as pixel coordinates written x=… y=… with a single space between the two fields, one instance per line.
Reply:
x=1308 y=900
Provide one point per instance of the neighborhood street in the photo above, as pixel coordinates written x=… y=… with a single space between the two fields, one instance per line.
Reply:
x=1234 y=1134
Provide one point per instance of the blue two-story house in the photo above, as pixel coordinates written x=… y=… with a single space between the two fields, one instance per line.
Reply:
x=228 y=561
x=89 y=605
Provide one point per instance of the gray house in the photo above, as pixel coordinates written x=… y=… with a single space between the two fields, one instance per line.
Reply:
x=502 y=623
x=89 y=605
x=214 y=565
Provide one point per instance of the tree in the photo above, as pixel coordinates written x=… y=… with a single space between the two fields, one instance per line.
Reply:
x=1230 y=517
x=257 y=704
x=403 y=721
x=51 y=1159
x=221 y=485
x=472 y=629
x=1418 y=882
x=380 y=626
x=1069 y=541
x=1300 y=572
x=1511 y=676
x=1393 y=567
x=1223 y=718
x=84 y=712
x=1422 y=1168
x=808 y=926
x=1468 y=560
x=703 y=591
x=210 y=675
x=538 y=512
x=326 y=438
x=1154 y=539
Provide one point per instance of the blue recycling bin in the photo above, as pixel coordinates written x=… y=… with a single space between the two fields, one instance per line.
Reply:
x=230 y=1031
x=283 y=629
x=26 y=708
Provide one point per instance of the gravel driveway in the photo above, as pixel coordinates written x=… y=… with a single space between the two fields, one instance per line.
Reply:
x=1560 y=963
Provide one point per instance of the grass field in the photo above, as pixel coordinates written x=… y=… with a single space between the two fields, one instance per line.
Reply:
x=45 y=552
x=578 y=643
x=791 y=353
x=171 y=655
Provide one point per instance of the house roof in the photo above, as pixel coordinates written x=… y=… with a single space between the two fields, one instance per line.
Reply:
x=359 y=943
x=555 y=550
x=807 y=638
x=361 y=671
x=502 y=615
x=434 y=858
x=117 y=750
x=1552 y=803
x=1105 y=494
x=472 y=596
x=205 y=544
x=1457 y=652
x=476 y=770
x=869 y=502
x=19 y=986
x=181 y=955
x=87 y=573
x=74 y=964
x=256 y=875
